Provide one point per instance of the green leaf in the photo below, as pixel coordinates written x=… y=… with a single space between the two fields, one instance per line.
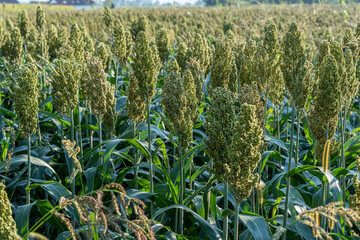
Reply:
x=256 y=224
x=211 y=231
x=22 y=218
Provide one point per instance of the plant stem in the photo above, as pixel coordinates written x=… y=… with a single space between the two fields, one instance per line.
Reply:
x=288 y=179
x=343 y=160
x=150 y=156
x=181 y=192
x=72 y=161
x=100 y=137
x=297 y=139
x=29 y=170
x=226 y=206
x=38 y=125
x=135 y=158
x=91 y=131
x=236 y=225
x=79 y=132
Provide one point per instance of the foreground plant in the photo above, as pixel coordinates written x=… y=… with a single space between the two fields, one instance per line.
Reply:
x=295 y=68
x=146 y=71
x=26 y=106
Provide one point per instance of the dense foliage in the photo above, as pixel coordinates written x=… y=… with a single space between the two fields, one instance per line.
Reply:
x=180 y=123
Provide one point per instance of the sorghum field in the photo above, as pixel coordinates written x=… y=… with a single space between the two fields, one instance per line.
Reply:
x=180 y=123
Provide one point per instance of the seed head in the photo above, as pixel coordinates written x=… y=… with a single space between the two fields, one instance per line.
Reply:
x=135 y=104
x=23 y=23
x=295 y=68
x=66 y=74
x=144 y=66
x=129 y=44
x=97 y=86
x=350 y=83
x=138 y=26
x=76 y=41
x=12 y=49
x=222 y=65
x=26 y=98
x=326 y=107
x=174 y=99
x=190 y=94
x=108 y=18
x=220 y=127
x=233 y=79
x=163 y=44
x=119 y=45
x=247 y=67
x=194 y=66
x=40 y=19
x=110 y=116
x=102 y=51
x=246 y=145
x=201 y=50
x=8 y=229
x=174 y=66
x=182 y=54
x=349 y=41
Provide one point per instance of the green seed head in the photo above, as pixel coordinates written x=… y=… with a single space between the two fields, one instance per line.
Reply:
x=247 y=67
x=246 y=145
x=350 y=83
x=222 y=65
x=77 y=42
x=249 y=94
x=295 y=68
x=119 y=45
x=163 y=44
x=138 y=26
x=349 y=40
x=174 y=66
x=102 y=51
x=129 y=44
x=182 y=54
x=144 y=66
x=354 y=200
x=192 y=110
x=40 y=19
x=324 y=115
x=194 y=66
x=233 y=79
x=66 y=74
x=108 y=18
x=97 y=86
x=110 y=115
x=8 y=229
x=174 y=99
x=135 y=103
x=294 y=60
x=201 y=51
x=26 y=98
x=13 y=47
x=23 y=23
x=220 y=128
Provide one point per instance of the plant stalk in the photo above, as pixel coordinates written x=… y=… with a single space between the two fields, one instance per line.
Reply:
x=72 y=161
x=236 y=225
x=135 y=158
x=151 y=180
x=29 y=170
x=226 y=206
x=297 y=139
x=288 y=179
x=182 y=187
